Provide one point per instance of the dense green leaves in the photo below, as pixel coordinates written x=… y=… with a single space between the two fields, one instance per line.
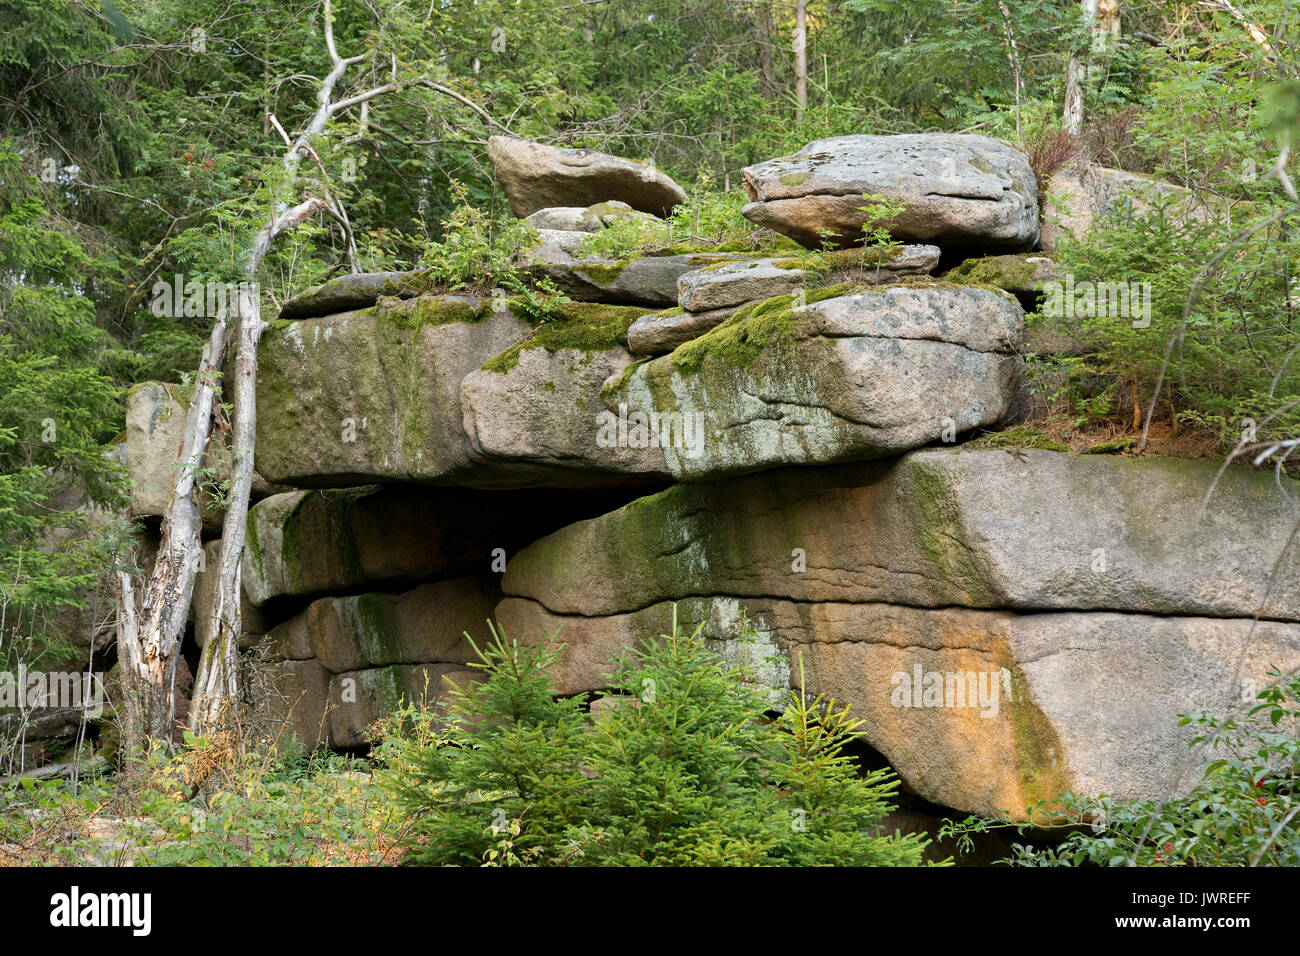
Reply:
x=682 y=768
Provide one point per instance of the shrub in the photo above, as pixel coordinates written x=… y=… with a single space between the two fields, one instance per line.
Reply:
x=687 y=769
x=1233 y=364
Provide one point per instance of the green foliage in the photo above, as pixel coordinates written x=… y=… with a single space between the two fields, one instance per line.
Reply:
x=277 y=807
x=509 y=752
x=708 y=221
x=1232 y=363
x=1244 y=812
x=476 y=251
x=685 y=769
x=57 y=410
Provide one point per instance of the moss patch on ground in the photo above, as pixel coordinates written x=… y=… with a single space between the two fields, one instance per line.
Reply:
x=586 y=326
x=1023 y=436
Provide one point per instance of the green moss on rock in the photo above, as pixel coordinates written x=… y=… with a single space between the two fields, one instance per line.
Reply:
x=740 y=339
x=602 y=273
x=585 y=326
x=428 y=311
x=1023 y=436
x=1001 y=272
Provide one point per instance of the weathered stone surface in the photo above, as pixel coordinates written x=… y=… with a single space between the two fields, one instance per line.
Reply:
x=375 y=394
x=557 y=247
x=292 y=700
x=1021 y=530
x=566 y=218
x=1089 y=594
x=1077 y=196
x=733 y=284
x=535 y=176
x=426 y=624
x=359 y=698
x=320 y=542
x=585 y=218
x=648 y=280
x=155 y=422
x=540 y=419
x=205 y=595
x=1022 y=274
x=980 y=711
x=661 y=332
x=842 y=379
x=959 y=190
x=357 y=290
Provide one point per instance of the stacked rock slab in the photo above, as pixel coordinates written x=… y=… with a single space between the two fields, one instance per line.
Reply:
x=847 y=378
x=958 y=190
x=1081 y=602
x=708 y=296
x=374 y=589
x=1009 y=625
x=536 y=176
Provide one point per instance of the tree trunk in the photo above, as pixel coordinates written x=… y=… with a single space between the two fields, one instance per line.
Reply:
x=800 y=58
x=149 y=647
x=218 y=676
x=1076 y=71
x=767 y=71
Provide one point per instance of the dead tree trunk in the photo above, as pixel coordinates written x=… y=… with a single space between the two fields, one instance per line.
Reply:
x=218 y=678
x=800 y=58
x=1076 y=71
x=148 y=647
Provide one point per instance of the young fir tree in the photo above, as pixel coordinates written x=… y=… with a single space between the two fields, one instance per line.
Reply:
x=504 y=769
x=688 y=771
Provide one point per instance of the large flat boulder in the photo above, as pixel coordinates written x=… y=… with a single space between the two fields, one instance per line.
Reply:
x=539 y=419
x=535 y=176
x=848 y=377
x=647 y=280
x=1022 y=530
x=374 y=395
x=980 y=711
x=1009 y=625
x=660 y=332
x=959 y=190
x=356 y=290
x=426 y=624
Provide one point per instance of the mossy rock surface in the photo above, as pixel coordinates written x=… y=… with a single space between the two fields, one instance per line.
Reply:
x=1014 y=273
